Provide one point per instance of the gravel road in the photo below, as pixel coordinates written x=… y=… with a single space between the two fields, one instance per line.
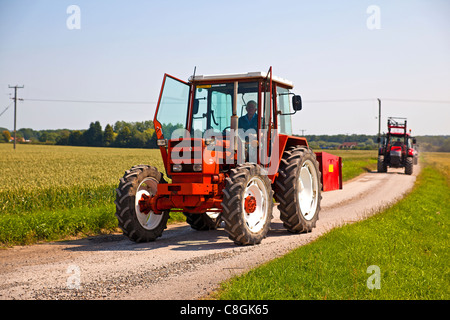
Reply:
x=183 y=263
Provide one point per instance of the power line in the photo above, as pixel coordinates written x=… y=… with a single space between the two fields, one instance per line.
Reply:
x=90 y=101
x=339 y=100
x=384 y=99
x=416 y=101
x=307 y=101
x=6 y=108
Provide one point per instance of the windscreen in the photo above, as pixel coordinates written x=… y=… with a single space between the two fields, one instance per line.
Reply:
x=213 y=105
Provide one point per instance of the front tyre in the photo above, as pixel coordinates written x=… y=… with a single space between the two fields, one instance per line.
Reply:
x=381 y=164
x=247 y=204
x=409 y=166
x=136 y=225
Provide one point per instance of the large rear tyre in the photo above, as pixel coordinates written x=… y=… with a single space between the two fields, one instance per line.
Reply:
x=298 y=190
x=136 y=225
x=247 y=204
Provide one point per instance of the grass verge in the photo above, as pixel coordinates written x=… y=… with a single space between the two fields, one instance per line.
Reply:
x=22 y=229
x=408 y=243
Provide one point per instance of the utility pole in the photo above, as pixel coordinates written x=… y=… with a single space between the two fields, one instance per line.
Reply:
x=379 y=123
x=303 y=132
x=15 y=110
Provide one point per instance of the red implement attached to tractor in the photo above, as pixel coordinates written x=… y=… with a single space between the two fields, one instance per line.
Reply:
x=227 y=145
x=397 y=149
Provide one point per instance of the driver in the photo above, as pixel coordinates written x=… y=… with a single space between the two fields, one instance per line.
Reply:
x=398 y=143
x=250 y=120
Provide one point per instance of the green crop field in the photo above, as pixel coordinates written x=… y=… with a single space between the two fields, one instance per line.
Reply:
x=51 y=192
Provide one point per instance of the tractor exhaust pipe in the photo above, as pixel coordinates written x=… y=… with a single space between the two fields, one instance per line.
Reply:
x=234 y=118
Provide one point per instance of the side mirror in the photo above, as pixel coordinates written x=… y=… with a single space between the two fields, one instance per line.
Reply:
x=297 y=103
x=195 y=106
x=378 y=140
x=414 y=141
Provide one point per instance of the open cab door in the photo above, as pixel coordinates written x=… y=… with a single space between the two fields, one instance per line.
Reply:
x=171 y=112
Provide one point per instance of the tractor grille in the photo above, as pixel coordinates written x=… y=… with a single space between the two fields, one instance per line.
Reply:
x=186 y=152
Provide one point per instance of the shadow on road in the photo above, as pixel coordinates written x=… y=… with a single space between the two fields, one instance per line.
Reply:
x=178 y=238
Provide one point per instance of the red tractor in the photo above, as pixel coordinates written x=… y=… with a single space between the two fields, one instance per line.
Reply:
x=396 y=149
x=227 y=145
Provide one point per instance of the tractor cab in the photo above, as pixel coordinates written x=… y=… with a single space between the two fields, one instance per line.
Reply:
x=249 y=113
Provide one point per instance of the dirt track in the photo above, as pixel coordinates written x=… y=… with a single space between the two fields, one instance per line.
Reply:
x=183 y=264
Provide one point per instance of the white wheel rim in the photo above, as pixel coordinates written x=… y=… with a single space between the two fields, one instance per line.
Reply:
x=308 y=190
x=255 y=220
x=151 y=220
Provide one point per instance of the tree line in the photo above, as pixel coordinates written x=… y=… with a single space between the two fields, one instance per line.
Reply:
x=124 y=134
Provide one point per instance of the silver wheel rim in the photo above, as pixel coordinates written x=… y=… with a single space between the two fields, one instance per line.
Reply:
x=255 y=221
x=151 y=220
x=308 y=187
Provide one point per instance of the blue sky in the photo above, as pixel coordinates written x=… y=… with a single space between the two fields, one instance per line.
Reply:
x=124 y=48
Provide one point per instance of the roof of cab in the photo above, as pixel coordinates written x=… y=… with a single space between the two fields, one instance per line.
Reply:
x=237 y=76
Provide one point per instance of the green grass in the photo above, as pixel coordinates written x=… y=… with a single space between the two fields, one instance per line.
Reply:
x=51 y=192
x=409 y=243
x=356 y=162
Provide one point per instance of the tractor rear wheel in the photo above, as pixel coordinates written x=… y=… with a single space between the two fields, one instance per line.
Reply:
x=409 y=165
x=298 y=189
x=136 y=225
x=247 y=204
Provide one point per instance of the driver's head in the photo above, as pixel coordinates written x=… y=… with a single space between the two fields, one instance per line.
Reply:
x=251 y=108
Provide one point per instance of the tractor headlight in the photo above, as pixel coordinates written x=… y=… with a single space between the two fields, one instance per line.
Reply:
x=197 y=167
x=177 y=168
x=161 y=142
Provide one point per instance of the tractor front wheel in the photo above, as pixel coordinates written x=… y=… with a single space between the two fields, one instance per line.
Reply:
x=136 y=225
x=381 y=164
x=409 y=165
x=247 y=204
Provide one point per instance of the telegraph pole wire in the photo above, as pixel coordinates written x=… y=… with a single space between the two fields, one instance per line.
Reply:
x=6 y=109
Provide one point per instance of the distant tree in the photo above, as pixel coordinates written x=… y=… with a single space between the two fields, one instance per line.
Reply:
x=28 y=133
x=138 y=140
x=76 y=138
x=6 y=136
x=63 y=138
x=94 y=135
x=445 y=146
x=108 y=136
x=43 y=137
x=123 y=139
